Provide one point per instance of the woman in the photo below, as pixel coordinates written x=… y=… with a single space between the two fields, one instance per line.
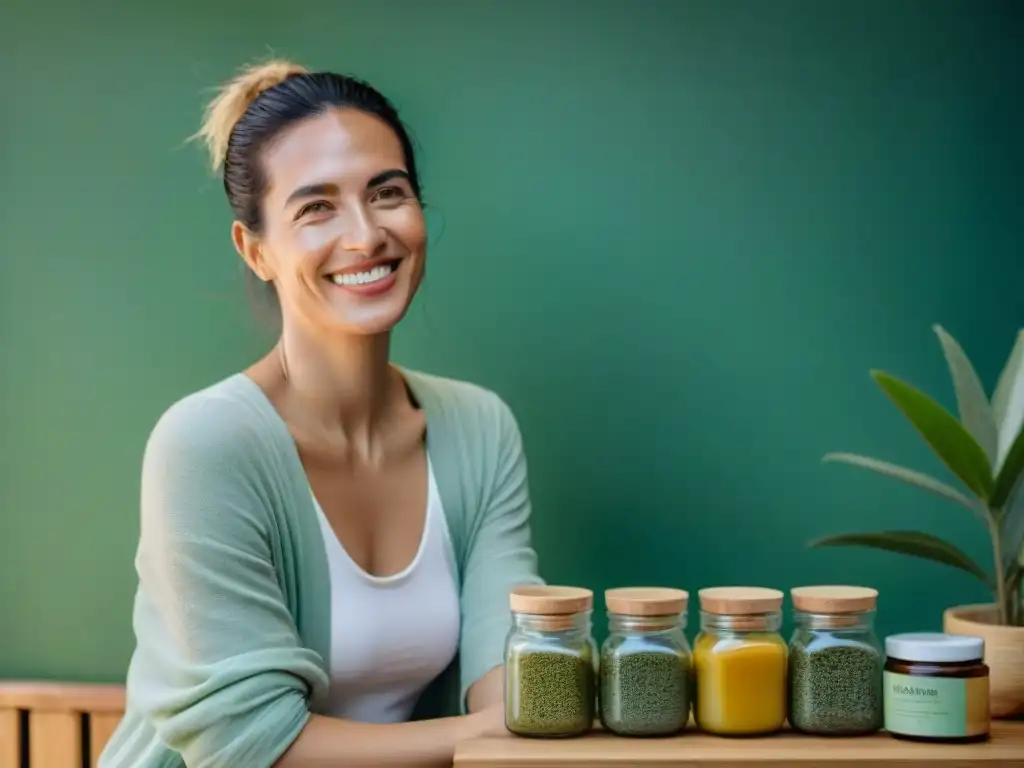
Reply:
x=327 y=540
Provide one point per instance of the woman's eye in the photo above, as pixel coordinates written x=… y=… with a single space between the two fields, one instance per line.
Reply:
x=316 y=207
x=388 y=193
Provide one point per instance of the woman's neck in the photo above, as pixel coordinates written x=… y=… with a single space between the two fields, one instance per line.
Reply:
x=344 y=388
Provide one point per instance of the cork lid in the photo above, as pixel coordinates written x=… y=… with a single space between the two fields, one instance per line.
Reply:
x=834 y=599
x=546 y=600
x=646 y=601
x=732 y=601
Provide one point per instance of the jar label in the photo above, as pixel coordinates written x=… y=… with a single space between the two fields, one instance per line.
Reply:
x=936 y=707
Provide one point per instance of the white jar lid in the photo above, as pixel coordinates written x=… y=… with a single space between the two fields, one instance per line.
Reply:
x=934 y=647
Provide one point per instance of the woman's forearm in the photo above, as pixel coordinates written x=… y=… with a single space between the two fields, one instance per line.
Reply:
x=327 y=742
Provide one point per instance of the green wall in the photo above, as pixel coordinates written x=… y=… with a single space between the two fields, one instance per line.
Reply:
x=675 y=237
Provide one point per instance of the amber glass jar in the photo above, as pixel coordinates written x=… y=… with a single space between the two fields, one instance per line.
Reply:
x=936 y=687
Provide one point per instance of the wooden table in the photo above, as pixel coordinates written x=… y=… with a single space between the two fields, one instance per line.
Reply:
x=697 y=750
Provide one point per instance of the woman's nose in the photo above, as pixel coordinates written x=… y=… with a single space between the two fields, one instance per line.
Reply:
x=361 y=232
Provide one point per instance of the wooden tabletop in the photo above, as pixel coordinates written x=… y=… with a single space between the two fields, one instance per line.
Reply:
x=694 y=750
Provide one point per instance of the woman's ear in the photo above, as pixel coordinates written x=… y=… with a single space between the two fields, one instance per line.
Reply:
x=250 y=249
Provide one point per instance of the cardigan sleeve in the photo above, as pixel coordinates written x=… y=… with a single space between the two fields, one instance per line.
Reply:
x=500 y=553
x=219 y=671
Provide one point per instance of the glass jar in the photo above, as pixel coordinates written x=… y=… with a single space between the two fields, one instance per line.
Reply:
x=645 y=662
x=936 y=687
x=835 y=662
x=739 y=660
x=550 y=662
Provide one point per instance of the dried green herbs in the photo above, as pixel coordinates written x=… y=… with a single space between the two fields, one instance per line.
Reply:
x=645 y=690
x=550 y=692
x=835 y=688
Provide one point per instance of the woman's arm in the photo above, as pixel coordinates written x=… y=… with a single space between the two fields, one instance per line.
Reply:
x=500 y=556
x=488 y=692
x=329 y=743
x=426 y=743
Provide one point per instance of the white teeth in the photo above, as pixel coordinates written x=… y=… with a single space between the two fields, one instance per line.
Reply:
x=363 y=278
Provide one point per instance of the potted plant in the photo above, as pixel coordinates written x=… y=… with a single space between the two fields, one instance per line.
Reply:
x=984 y=449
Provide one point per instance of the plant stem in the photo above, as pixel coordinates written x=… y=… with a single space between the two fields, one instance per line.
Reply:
x=1016 y=597
x=1019 y=591
x=1000 y=571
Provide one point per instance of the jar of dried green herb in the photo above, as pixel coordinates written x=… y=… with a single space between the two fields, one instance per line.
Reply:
x=835 y=662
x=550 y=662
x=645 y=662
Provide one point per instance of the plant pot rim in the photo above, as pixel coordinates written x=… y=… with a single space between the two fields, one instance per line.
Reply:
x=973 y=614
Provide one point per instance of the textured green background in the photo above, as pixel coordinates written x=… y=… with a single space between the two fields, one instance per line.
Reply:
x=674 y=236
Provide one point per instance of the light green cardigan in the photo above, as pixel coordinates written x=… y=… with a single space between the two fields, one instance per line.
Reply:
x=232 y=612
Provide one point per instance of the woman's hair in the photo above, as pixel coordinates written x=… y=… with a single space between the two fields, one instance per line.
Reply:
x=261 y=101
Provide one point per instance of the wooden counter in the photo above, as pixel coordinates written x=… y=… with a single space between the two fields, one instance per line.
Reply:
x=695 y=750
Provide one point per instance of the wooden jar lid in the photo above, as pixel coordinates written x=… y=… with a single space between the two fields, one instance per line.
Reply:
x=834 y=599
x=734 y=601
x=546 y=600
x=646 y=601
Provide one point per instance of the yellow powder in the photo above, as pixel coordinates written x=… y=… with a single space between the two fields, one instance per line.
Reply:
x=741 y=683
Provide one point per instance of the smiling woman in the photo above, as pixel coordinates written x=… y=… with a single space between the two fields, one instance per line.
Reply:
x=327 y=540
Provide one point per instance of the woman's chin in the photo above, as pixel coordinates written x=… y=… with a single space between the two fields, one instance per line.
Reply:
x=367 y=323
x=369 y=312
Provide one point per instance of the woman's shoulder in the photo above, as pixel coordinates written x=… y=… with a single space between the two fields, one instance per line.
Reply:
x=229 y=421
x=216 y=465
x=464 y=407
x=474 y=437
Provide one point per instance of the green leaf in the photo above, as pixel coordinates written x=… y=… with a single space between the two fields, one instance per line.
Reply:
x=944 y=434
x=1010 y=472
x=912 y=477
x=913 y=543
x=1007 y=379
x=972 y=402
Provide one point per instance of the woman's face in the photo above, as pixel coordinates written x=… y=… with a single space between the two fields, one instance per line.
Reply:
x=344 y=238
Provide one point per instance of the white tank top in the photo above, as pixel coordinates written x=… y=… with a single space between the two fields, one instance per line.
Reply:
x=391 y=635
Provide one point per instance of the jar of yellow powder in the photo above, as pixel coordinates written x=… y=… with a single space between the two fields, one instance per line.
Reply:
x=739 y=661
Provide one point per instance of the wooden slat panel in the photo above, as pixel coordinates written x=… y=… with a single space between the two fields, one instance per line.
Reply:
x=49 y=696
x=55 y=739
x=101 y=728
x=10 y=738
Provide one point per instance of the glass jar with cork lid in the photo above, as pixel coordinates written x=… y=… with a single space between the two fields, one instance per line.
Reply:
x=835 y=662
x=645 y=662
x=550 y=662
x=739 y=661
